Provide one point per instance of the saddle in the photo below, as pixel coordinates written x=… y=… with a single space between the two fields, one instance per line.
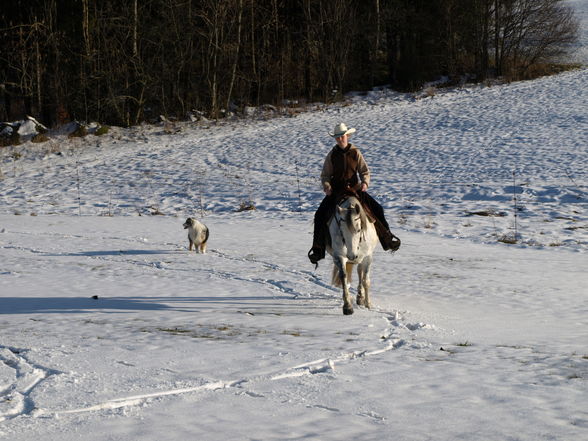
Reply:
x=388 y=240
x=349 y=191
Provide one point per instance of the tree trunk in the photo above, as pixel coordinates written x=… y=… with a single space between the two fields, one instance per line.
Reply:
x=237 y=50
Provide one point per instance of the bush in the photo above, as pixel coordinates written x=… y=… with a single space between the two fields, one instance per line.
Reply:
x=39 y=138
x=102 y=130
x=546 y=69
x=246 y=206
x=79 y=132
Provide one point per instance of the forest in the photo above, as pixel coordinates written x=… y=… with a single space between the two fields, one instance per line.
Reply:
x=123 y=63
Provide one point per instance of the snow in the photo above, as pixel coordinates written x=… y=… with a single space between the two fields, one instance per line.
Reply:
x=111 y=330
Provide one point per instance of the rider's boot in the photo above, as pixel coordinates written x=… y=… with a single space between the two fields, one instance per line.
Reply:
x=317 y=252
x=389 y=241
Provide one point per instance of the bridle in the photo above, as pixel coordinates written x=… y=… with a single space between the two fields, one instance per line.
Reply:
x=339 y=220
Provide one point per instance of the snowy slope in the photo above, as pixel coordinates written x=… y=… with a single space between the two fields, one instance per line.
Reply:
x=434 y=162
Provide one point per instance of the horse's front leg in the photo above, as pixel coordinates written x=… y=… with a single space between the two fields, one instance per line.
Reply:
x=360 y=299
x=363 y=289
x=366 y=291
x=347 y=304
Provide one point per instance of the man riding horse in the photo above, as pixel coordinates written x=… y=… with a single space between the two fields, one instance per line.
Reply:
x=345 y=171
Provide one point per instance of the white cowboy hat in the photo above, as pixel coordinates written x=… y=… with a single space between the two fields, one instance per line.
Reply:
x=340 y=130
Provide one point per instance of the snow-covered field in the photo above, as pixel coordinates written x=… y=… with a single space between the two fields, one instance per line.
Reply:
x=111 y=330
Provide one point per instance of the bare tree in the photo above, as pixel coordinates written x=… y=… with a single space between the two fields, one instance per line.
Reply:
x=530 y=32
x=124 y=62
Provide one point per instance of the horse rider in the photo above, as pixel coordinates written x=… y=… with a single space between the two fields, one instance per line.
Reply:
x=345 y=171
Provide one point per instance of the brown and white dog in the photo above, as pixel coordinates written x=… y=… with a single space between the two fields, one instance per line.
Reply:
x=197 y=234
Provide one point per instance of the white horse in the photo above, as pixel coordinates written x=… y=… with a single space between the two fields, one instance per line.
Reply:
x=353 y=240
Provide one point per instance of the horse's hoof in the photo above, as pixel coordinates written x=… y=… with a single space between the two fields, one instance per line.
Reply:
x=348 y=310
x=360 y=301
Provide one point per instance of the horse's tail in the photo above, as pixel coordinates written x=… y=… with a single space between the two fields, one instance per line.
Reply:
x=336 y=280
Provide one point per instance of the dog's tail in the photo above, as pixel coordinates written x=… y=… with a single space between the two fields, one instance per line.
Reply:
x=206 y=234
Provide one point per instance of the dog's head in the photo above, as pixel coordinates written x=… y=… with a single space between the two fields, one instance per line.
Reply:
x=189 y=223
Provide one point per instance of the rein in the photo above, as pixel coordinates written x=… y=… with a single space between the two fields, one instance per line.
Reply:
x=338 y=220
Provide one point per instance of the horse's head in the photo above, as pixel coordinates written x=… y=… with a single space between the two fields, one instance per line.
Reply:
x=352 y=221
x=353 y=216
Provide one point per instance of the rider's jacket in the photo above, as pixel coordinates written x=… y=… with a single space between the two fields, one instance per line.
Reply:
x=344 y=169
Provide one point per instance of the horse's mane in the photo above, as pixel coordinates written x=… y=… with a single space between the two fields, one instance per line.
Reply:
x=347 y=202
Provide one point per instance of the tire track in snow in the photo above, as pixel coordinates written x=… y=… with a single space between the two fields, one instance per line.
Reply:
x=15 y=397
x=247 y=385
x=279 y=285
x=320 y=366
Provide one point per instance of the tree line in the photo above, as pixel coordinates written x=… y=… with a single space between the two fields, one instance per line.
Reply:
x=126 y=62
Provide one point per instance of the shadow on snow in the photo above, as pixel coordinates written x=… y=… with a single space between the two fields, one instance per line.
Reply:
x=79 y=305
x=114 y=253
